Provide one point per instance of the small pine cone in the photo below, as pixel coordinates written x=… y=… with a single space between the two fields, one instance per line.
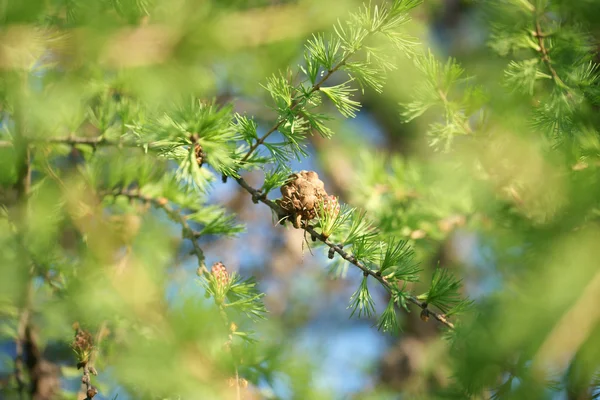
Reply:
x=331 y=253
x=83 y=341
x=220 y=273
x=301 y=194
x=200 y=154
x=425 y=315
x=91 y=392
x=331 y=206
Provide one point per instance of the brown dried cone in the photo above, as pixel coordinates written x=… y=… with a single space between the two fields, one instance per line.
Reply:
x=200 y=154
x=82 y=344
x=91 y=392
x=301 y=195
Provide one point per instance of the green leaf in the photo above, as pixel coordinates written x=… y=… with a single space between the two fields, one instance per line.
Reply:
x=280 y=90
x=366 y=75
x=244 y=297
x=351 y=35
x=365 y=248
x=444 y=292
x=317 y=122
x=522 y=75
x=360 y=227
x=341 y=95
x=388 y=321
x=324 y=53
x=246 y=127
x=331 y=216
x=216 y=221
x=362 y=301
x=397 y=261
x=275 y=178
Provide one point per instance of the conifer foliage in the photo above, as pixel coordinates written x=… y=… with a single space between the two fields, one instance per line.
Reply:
x=96 y=165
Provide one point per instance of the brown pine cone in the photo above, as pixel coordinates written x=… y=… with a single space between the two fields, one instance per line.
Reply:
x=301 y=195
x=200 y=154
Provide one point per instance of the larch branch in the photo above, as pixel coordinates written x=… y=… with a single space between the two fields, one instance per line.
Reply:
x=175 y=215
x=315 y=87
x=258 y=196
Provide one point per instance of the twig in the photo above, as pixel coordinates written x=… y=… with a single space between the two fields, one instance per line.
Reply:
x=544 y=51
x=346 y=256
x=88 y=365
x=76 y=140
x=20 y=345
x=72 y=140
x=220 y=272
x=316 y=86
x=237 y=384
x=23 y=186
x=90 y=391
x=163 y=203
x=463 y=124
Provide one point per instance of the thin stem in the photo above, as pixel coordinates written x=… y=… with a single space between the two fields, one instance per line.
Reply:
x=237 y=384
x=23 y=187
x=230 y=326
x=175 y=215
x=316 y=86
x=88 y=365
x=21 y=339
x=75 y=140
x=90 y=391
x=544 y=51
x=95 y=141
x=463 y=124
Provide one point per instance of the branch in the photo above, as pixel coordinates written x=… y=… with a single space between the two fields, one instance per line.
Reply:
x=73 y=140
x=463 y=124
x=76 y=140
x=88 y=365
x=90 y=391
x=23 y=186
x=223 y=277
x=175 y=215
x=544 y=51
x=20 y=343
x=258 y=196
x=316 y=86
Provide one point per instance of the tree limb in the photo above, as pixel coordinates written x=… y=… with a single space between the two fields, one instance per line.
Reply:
x=257 y=196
